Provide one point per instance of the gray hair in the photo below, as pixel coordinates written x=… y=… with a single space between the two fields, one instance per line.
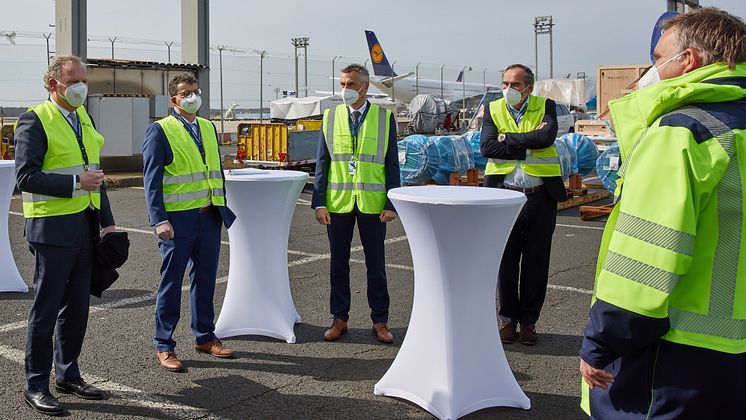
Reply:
x=359 y=69
x=716 y=35
x=55 y=68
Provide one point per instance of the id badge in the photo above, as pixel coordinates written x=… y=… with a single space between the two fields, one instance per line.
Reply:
x=353 y=167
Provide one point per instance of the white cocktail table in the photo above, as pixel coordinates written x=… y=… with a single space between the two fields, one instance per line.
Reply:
x=258 y=300
x=451 y=362
x=10 y=278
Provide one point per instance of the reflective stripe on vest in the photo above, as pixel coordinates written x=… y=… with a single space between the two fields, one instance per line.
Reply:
x=540 y=162
x=188 y=182
x=719 y=319
x=366 y=189
x=63 y=157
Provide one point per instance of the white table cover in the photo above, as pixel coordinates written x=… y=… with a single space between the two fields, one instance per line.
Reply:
x=10 y=279
x=258 y=300
x=452 y=362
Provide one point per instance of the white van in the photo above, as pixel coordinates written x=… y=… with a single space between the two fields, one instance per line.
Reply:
x=565 y=120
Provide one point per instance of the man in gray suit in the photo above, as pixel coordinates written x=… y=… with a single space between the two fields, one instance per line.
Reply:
x=65 y=204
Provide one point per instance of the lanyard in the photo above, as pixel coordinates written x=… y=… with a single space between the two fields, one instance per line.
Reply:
x=78 y=131
x=196 y=136
x=355 y=129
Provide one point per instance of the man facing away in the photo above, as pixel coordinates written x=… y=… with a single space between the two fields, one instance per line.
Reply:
x=666 y=337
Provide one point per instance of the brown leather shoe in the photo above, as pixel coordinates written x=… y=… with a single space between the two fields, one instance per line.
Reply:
x=169 y=361
x=382 y=333
x=338 y=329
x=215 y=348
x=528 y=334
x=507 y=333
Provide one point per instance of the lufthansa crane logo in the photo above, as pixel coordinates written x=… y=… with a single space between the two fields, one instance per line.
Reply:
x=376 y=53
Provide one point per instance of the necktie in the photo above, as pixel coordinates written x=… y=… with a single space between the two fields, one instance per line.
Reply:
x=73 y=118
x=356 y=120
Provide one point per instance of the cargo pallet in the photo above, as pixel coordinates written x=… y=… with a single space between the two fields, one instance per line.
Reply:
x=594 y=212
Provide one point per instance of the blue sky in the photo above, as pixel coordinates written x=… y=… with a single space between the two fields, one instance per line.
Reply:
x=477 y=33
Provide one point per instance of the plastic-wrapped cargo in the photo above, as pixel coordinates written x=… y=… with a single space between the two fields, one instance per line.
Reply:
x=419 y=159
x=472 y=139
x=607 y=166
x=567 y=157
x=429 y=112
x=455 y=156
x=586 y=152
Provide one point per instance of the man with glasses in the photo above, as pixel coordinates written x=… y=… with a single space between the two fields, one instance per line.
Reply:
x=518 y=136
x=183 y=178
x=64 y=203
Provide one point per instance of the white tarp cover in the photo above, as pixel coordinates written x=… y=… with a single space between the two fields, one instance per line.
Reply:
x=573 y=92
x=296 y=108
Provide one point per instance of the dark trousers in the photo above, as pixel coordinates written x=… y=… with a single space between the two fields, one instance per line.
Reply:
x=670 y=381
x=372 y=234
x=524 y=270
x=198 y=247
x=62 y=283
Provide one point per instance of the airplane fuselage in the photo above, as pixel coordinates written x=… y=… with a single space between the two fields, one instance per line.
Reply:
x=406 y=89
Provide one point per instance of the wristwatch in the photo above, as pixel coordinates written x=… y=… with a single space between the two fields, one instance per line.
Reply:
x=77 y=182
x=501 y=138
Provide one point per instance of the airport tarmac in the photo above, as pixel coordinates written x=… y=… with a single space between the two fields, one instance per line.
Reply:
x=271 y=379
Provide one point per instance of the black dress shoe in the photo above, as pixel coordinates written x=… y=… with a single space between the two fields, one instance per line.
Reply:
x=43 y=402
x=80 y=388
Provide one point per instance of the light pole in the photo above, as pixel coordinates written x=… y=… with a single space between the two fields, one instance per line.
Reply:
x=168 y=45
x=417 y=79
x=277 y=93
x=112 y=46
x=222 y=112
x=47 y=36
x=441 y=81
x=543 y=25
x=298 y=43
x=333 y=60
x=484 y=79
x=463 y=88
x=261 y=85
x=366 y=63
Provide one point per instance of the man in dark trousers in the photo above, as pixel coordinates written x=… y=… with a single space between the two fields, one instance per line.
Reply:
x=357 y=163
x=65 y=204
x=183 y=178
x=518 y=136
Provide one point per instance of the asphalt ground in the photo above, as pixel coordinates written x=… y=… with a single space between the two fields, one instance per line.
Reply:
x=271 y=379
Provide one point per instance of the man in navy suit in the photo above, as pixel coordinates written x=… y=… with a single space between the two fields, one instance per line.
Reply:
x=357 y=163
x=65 y=204
x=184 y=189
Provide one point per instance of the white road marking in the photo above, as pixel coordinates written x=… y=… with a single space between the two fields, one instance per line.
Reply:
x=123 y=393
x=138 y=188
x=303 y=202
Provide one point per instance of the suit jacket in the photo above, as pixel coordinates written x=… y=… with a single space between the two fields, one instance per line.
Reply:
x=515 y=145
x=323 y=160
x=156 y=155
x=31 y=147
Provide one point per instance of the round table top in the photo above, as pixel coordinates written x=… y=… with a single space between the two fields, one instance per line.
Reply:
x=7 y=163
x=457 y=195
x=262 y=175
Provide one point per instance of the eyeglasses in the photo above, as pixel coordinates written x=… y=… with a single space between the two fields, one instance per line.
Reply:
x=186 y=93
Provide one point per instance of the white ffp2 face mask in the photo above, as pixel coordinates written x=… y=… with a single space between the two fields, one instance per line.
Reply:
x=350 y=96
x=653 y=76
x=191 y=103
x=512 y=96
x=75 y=94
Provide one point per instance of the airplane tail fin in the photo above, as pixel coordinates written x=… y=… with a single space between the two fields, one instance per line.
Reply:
x=381 y=66
x=460 y=76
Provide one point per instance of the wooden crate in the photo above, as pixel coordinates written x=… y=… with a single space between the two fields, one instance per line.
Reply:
x=592 y=128
x=471 y=179
x=615 y=81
